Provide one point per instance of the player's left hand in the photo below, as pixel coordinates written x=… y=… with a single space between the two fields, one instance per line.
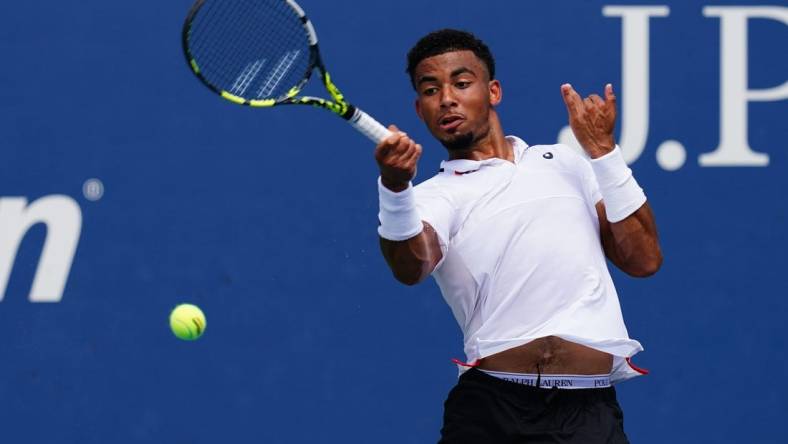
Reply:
x=592 y=119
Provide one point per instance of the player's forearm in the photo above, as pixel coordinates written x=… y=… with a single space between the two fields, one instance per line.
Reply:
x=633 y=244
x=409 y=244
x=412 y=260
x=628 y=230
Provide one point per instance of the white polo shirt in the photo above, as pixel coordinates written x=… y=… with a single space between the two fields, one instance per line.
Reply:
x=522 y=255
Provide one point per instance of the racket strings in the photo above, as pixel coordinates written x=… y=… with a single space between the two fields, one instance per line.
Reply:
x=254 y=49
x=215 y=19
x=218 y=25
x=226 y=18
x=220 y=34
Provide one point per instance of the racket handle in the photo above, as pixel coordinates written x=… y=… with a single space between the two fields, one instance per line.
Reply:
x=369 y=126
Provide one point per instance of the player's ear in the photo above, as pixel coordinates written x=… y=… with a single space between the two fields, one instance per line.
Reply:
x=496 y=92
x=418 y=110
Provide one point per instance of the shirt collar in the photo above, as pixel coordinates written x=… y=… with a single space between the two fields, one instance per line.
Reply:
x=466 y=166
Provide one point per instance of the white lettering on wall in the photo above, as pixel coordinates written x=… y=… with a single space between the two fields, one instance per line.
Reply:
x=635 y=77
x=734 y=148
x=63 y=219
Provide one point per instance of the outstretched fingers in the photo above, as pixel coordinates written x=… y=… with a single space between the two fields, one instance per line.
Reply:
x=572 y=100
x=610 y=98
x=592 y=119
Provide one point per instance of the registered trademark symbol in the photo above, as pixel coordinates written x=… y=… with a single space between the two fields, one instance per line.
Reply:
x=93 y=189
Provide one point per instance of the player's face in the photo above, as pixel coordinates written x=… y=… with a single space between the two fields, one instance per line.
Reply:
x=455 y=96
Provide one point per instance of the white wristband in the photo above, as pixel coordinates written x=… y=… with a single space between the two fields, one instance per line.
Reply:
x=399 y=219
x=620 y=191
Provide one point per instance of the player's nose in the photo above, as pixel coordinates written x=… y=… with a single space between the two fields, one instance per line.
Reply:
x=448 y=99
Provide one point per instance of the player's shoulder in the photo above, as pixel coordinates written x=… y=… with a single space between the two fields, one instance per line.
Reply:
x=560 y=155
x=558 y=150
x=438 y=187
x=434 y=185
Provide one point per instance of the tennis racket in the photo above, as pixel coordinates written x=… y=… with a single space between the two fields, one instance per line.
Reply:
x=261 y=53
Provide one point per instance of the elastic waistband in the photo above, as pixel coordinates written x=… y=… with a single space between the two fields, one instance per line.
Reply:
x=551 y=381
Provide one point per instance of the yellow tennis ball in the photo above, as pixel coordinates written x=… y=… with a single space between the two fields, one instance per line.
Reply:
x=187 y=322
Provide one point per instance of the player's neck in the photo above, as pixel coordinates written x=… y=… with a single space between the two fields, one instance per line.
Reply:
x=493 y=144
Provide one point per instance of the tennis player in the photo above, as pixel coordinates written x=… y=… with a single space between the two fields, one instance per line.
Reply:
x=517 y=237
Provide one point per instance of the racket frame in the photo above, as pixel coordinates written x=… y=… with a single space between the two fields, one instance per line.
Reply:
x=357 y=118
x=338 y=106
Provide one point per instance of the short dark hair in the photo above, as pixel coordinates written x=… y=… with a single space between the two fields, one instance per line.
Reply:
x=448 y=40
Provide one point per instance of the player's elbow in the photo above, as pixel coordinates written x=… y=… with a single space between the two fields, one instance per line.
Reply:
x=412 y=273
x=645 y=267
x=408 y=281
x=408 y=266
x=408 y=278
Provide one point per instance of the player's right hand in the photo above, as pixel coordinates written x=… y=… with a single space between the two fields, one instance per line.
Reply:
x=397 y=157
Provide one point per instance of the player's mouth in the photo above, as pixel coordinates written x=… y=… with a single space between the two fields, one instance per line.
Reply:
x=450 y=122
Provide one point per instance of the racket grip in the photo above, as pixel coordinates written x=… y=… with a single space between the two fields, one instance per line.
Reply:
x=369 y=126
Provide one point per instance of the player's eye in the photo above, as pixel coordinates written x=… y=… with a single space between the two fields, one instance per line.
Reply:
x=462 y=84
x=430 y=91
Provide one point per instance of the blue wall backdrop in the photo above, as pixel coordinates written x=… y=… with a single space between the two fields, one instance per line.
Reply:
x=266 y=219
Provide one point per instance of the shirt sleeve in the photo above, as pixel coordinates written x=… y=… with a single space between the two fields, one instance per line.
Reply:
x=592 y=186
x=580 y=164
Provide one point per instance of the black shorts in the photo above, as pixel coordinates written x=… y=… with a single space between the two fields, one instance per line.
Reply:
x=482 y=409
